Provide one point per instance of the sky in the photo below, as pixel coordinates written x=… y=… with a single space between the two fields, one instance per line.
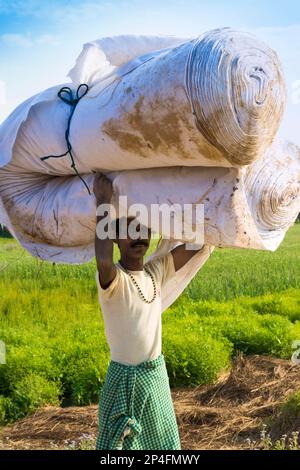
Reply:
x=40 y=40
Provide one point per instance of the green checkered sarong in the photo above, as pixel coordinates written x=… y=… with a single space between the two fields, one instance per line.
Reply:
x=136 y=409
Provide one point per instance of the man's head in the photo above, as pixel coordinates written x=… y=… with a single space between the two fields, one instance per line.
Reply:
x=132 y=238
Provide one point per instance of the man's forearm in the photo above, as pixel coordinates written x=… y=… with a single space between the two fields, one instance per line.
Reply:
x=181 y=255
x=103 y=247
x=103 y=243
x=104 y=258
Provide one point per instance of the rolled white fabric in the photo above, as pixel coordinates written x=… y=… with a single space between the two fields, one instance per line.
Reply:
x=101 y=57
x=237 y=92
x=272 y=187
x=156 y=110
x=251 y=207
x=214 y=101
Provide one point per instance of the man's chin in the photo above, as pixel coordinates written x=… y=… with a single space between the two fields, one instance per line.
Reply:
x=139 y=249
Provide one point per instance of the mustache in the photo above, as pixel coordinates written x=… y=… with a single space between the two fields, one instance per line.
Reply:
x=140 y=242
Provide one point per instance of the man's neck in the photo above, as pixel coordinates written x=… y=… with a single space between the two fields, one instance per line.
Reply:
x=132 y=264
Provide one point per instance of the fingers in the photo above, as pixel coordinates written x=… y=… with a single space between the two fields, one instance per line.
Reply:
x=102 y=187
x=101 y=178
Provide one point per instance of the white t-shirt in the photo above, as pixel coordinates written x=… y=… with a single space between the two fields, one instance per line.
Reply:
x=132 y=326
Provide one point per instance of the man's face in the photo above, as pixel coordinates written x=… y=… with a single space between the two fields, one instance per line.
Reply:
x=137 y=245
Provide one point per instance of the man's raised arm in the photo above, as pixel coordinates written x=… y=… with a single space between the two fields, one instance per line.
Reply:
x=104 y=247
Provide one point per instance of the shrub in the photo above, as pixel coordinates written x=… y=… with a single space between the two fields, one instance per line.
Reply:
x=193 y=359
x=29 y=393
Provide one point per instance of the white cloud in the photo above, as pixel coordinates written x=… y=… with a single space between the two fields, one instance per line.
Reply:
x=19 y=40
x=65 y=11
x=48 y=39
x=27 y=40
x=30 y=7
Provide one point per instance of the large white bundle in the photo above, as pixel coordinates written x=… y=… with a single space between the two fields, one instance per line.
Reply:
x=214 y=101
x=251 y=207
x=181 y=119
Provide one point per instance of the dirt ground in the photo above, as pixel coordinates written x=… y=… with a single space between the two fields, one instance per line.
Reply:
x=219 y=416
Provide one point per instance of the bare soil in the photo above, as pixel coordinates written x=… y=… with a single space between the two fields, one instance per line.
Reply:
x=219 y=416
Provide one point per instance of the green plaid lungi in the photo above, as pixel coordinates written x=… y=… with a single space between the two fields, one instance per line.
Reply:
x=136 y=409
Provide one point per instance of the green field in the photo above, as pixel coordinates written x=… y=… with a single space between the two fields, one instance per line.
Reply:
x=51 y=323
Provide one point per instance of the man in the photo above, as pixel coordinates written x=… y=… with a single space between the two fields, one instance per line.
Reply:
x=135 y=406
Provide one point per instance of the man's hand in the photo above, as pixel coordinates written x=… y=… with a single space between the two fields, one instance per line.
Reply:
x=102 y=188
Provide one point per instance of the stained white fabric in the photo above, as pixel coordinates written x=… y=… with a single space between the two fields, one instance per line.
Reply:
x=101 y=57
x=250 y=207
x=158 y=109
x=169 y=120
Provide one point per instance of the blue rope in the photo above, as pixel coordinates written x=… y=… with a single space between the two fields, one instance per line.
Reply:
x=72 y=101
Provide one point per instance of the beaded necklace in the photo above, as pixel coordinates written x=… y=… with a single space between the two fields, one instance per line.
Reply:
x=138 y=287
